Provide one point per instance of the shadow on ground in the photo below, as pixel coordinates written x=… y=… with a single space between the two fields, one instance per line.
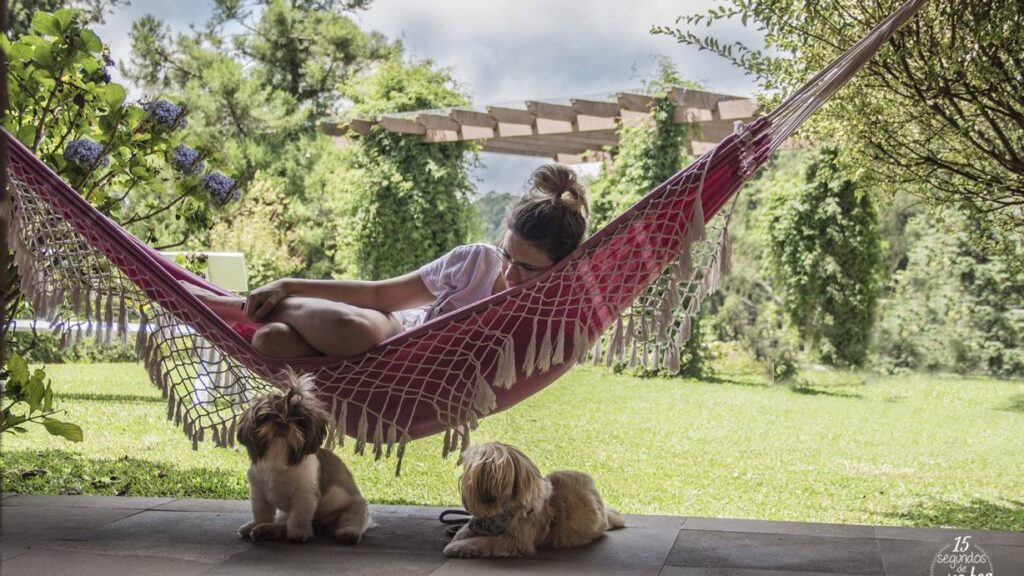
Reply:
x=976 y=514
x=1016 y=404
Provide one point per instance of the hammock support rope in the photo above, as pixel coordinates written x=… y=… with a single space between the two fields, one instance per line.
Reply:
x=628 y=293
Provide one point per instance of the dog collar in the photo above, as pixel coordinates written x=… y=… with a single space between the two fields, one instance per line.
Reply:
x=491 y=525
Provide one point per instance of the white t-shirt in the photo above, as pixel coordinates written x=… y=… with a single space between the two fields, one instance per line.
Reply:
x=464 y=276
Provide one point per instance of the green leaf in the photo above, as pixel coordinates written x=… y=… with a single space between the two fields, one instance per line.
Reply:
x=43 y=56
x=34 y=393
x=46 y=23
x=63 y=17
x=21 y=51
x=91 y=40
x=113 y=95
x=72 y=432
x=17 y=366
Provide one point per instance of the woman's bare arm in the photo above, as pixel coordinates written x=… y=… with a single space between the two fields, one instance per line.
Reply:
x=386 y=296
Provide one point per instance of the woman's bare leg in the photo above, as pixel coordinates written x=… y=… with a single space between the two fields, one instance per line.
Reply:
x=334 y=328
x=281 y=340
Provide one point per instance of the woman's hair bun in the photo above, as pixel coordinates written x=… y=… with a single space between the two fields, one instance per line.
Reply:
x=559 y=184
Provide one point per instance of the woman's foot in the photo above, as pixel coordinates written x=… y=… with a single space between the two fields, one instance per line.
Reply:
x=230 y=308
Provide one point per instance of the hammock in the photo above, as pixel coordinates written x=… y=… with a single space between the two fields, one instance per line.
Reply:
x=640 y=279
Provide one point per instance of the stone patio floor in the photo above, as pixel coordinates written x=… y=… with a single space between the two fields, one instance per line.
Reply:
x=86 y=535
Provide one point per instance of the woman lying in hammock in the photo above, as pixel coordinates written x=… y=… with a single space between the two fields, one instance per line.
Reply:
x=349 y=317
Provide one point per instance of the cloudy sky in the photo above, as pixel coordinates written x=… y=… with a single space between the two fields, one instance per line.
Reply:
x=505 y=51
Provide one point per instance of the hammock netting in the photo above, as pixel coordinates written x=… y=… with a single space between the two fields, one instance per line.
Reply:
x=626 y=294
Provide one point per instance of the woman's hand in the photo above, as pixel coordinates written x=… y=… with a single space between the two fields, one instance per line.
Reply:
x=264 y=299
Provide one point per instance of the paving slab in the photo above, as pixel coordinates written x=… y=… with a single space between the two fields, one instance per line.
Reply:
x=995 y=537
x=915 y=557
x=534 y=567
x=49 y=562
x=284 y=558
x=619 y=548
x=198 y=505
x=42 y=523
x=210 y=528
x=110 y=502
x=780 y=527
x=690 y=571
x=726 y=550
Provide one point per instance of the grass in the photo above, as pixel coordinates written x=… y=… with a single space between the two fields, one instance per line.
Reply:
x=912 y=450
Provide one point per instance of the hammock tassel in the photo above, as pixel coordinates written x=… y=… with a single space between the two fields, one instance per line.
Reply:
x=695 y=230
x=342 y=424
x=392 y=437
x=672 y=358
x=685 y=263
x=725 y=253
x=580 y=342
x=378 y=440
x=505 y=376
x=544 y=354
x=530 y=358
x=484 y=401
x=361 y=432
x=400 y=454
x=446 y=443
x=231 y=431
x=558 y=357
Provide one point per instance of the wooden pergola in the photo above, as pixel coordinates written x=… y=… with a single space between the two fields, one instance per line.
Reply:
x=573 y=131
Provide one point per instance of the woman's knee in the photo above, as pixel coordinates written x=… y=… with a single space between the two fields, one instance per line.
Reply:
x=272 y=336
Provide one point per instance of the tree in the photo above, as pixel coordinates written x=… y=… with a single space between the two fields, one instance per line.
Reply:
x=938 y=110
x=408 y=202
x=258 y=96
x=824 y=254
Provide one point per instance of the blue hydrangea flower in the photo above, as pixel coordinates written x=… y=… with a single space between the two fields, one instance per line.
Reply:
x=85 y=153
x=166 y=113
x=105 y=76
x=221 y=188
x=186 y=160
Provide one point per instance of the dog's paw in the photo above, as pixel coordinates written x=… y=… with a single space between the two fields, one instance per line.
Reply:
x=348 y=536
x=267 y=531
x=246 y=529
x=304 y=534
x=461 y=549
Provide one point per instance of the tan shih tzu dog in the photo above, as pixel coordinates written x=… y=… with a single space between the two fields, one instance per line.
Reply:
x=296 y=486
x=516 y=510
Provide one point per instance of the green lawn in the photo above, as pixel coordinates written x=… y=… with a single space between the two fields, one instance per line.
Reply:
x=916 y=450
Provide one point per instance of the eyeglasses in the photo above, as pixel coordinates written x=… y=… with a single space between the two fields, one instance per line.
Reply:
x=523 y=267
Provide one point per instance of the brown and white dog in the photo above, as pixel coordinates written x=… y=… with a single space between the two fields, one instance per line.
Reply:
x=294 y=484
x=516 y=510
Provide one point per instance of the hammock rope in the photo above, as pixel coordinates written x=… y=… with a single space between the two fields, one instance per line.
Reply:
x=628 y=293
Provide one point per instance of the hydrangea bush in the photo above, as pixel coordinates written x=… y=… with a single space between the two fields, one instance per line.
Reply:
x=129 y=159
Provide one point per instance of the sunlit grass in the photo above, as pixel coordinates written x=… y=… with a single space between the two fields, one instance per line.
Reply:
x=839 y=446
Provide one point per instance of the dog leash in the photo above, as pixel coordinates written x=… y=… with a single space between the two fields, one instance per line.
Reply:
x=454 y=519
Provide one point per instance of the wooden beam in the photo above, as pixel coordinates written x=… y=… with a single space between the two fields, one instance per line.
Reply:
x=473 y=118
x=635 y=102
x=507 y=129
x=361 y=126
x=441 y=136
x=510 y=115
x=683 y=115
x=634 y=118
x=595 y=108
x=692 y=98
x=470 y=132
x=433 y=121
x=551 y=111
x=739 y=108
x=401 y=125
x=522 y=149
x=548 y=126
x=333 y=128
x=585 y=122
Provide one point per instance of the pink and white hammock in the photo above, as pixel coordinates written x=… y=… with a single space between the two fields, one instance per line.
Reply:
x=90 y=277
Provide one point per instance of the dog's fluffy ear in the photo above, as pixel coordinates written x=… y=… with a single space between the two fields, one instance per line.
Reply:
x=249 y=436
x=495 y=475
